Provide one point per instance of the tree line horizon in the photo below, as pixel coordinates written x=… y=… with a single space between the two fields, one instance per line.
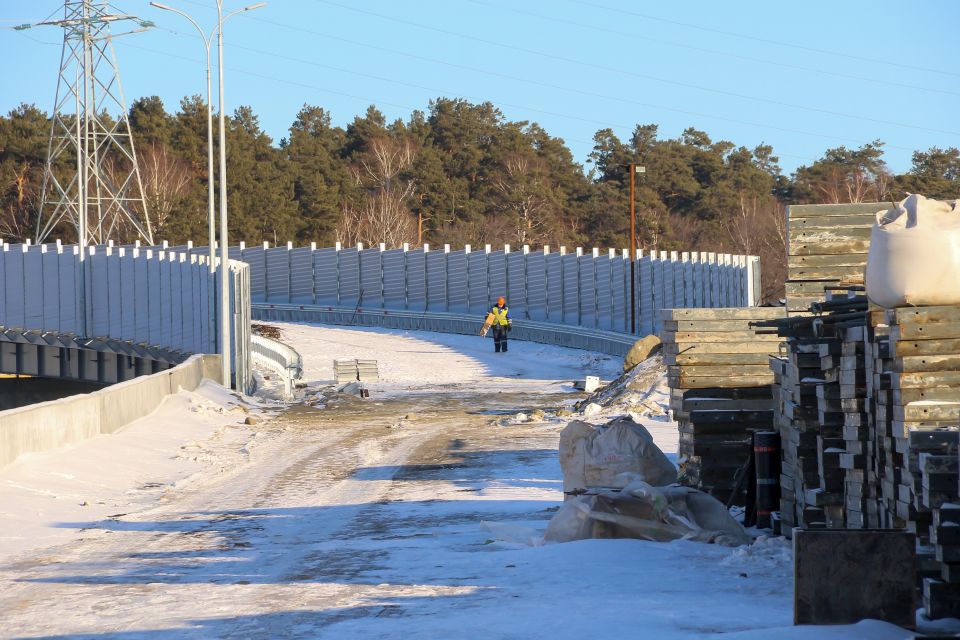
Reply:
x=460 y=173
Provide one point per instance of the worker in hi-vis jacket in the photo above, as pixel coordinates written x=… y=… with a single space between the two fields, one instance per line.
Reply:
x=501 y=324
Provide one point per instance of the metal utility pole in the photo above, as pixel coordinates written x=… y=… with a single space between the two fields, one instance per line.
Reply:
x=211 y=216
x=634 y=170
x=224 y=238
x=225 y=358
x=224 y=298
x=101 y=194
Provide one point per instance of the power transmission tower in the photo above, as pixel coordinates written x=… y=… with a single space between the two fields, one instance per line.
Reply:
x=91 y=179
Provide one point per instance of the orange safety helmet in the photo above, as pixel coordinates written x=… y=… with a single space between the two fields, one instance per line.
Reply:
x=501 y=300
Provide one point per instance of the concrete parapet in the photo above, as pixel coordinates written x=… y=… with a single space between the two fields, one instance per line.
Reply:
x=59 y=423
x=122 y=403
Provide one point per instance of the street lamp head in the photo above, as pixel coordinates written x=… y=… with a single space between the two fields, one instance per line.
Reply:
x=254 y=6
x=161 y=6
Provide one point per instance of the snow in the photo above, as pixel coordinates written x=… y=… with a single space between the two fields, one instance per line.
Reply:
x=122 y=472
x=416 y=513
x=422 y=360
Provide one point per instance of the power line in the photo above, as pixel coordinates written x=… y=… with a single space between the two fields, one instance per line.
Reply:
x=858 y=117
x=432 y=89
x=369 y=100
x=779 y=43
x=683 y=45
x=538 y=83
x=273 y=78
x=562 y=88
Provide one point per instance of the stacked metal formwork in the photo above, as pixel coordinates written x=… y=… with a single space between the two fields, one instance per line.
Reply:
x=890 y=380
x=721 y=393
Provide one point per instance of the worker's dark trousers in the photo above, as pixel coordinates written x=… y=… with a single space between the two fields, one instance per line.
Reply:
x=499 y=338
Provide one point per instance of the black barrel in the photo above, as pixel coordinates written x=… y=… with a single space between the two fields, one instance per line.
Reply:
x=766 y=455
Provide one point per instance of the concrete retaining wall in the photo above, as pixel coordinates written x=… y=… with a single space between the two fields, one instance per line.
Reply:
x=59 y=423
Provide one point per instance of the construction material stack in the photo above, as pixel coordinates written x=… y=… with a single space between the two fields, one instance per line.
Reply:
x=355 y=370
x=870 y=432
x=941 y=582
x=367 y=371
x=344 y=370
x=919 y=392
x=859 y=495
x=799 y=428
x=721 y=390
x=828 y=246
x=877 y=360
x=813 y=378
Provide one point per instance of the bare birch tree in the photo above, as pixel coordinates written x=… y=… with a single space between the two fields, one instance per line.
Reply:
x=384 y=213
x=166 y=180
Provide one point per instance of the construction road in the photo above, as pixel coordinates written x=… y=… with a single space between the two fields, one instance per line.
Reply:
x=415 y=513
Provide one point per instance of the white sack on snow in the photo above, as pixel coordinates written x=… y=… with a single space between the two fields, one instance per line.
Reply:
x=592 y=456
x=642 y=511
x=914 y=257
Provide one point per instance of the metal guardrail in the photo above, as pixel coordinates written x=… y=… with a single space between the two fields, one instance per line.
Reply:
x=608 y=342
x=278 y=357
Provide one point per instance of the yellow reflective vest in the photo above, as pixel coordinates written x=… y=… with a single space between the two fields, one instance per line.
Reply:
x=500 y=316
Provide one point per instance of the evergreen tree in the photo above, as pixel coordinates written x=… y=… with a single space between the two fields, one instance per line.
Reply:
x=321 y=180
x=260 y=184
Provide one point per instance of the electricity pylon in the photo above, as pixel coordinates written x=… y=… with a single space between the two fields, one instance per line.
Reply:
x=91 y=179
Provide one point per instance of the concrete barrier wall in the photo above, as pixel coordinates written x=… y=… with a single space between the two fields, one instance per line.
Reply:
x=59 y=423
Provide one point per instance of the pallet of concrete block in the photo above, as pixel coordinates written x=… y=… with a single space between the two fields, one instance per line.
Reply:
x=828 y=245
x=718 y=348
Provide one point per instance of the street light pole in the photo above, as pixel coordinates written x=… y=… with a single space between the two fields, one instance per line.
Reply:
x=211 y=217
x=224 y=306
x=224 y=238
x=225 y=358
x=634 y=170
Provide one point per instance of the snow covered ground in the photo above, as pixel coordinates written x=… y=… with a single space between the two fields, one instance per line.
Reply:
x=415 y=513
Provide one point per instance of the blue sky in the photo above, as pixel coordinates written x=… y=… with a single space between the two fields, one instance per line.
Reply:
x=802 y=77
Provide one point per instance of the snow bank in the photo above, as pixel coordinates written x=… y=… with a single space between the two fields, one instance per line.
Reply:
x=120 y=472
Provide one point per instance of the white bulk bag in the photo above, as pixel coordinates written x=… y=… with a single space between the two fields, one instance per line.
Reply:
x=914 y=257
x=611 y=455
